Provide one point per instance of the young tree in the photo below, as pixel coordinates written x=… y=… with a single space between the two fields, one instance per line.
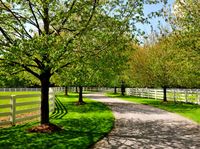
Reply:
x=105 y=59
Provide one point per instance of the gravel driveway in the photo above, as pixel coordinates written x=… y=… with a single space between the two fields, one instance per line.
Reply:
x=144 y=127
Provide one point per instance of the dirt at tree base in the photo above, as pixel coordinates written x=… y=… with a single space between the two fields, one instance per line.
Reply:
x=45 y=128
x=80 y=103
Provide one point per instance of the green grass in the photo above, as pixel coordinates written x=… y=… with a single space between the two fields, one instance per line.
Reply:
x=190 y=111
x=7 y=101
x=18 y=93
x=82 y=126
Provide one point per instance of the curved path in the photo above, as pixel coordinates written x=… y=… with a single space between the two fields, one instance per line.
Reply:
x=143 y=127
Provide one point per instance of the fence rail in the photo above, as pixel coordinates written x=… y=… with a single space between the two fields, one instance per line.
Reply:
x=11 y=110
x=183 y=95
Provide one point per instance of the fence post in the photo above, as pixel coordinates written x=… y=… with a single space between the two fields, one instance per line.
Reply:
x=53 y=101
x=13 y=109
x=186 y=96
x=155 y=93
x=174 y=95
x=136 y=92
x=52 y=93
x=198 y=96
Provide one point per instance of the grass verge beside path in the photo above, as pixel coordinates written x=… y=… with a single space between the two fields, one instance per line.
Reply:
x=190 y=111
x=82 y=126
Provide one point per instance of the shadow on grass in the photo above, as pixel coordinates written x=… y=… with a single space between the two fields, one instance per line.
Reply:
x=68 y=96
x=81 y=126
x=60 y=109
x=18 y=137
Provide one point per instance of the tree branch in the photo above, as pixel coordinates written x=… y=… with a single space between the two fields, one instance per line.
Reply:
x=37 y=24
x=82 y=30
x=91 y=16
x=39 y=63
x=13 y=63
x=13 y=14
x=6 y=35
x=16 y=30
x=31 y=71
x=65 y=20
x=63 y=66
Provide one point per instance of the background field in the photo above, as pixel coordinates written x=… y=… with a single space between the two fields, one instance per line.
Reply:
x=18 y=100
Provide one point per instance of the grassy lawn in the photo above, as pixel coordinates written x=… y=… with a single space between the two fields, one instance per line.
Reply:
x=7 y=101
x=82 y=126
x=190 y=111
x=18 y=93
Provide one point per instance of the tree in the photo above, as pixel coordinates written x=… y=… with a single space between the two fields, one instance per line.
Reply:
x=110 y=42
x=172 y=58
x=33 y=40
x=185 y=23
x=165 y=65
x=39 y=36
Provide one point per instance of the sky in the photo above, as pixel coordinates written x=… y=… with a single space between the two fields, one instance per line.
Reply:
x=154 y=22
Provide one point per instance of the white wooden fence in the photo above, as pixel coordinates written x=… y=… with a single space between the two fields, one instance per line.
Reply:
x=19 y=89
x=183 y=95
x=11 y=108
x=92 y=89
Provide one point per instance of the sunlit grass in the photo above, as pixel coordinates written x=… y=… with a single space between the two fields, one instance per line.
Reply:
x=18 y=93
x=191 y=111
x=82 y=126
x=7 y=101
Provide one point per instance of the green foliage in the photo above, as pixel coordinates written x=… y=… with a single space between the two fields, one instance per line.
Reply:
x=166 y=63
x=171 y=59
x=42 y=37
x=190 y=111
x=82 y=126
x=186 y=15
x=106 y=54
x=22 y=79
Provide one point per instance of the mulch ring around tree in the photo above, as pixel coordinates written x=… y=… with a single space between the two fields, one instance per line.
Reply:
x=45 y=128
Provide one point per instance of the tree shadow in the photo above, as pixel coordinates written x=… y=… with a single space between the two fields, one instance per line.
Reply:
x=68 y=96
x=60 y=110
x=142 y=126
x=151 y=134
x=81 y=127
x=18 y=137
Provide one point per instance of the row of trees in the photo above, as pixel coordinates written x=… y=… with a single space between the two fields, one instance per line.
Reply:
x=88 y=43
x=171 y=59
x=70 y=42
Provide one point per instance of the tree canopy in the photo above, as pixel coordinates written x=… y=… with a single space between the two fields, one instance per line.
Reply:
x=42 y=37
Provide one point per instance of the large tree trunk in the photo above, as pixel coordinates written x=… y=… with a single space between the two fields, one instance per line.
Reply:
x=66 y=90
x=115 y=90
x=123 y=88
x=76 y=89
x=80 y=99
x=45 y=99
x=164 y=93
